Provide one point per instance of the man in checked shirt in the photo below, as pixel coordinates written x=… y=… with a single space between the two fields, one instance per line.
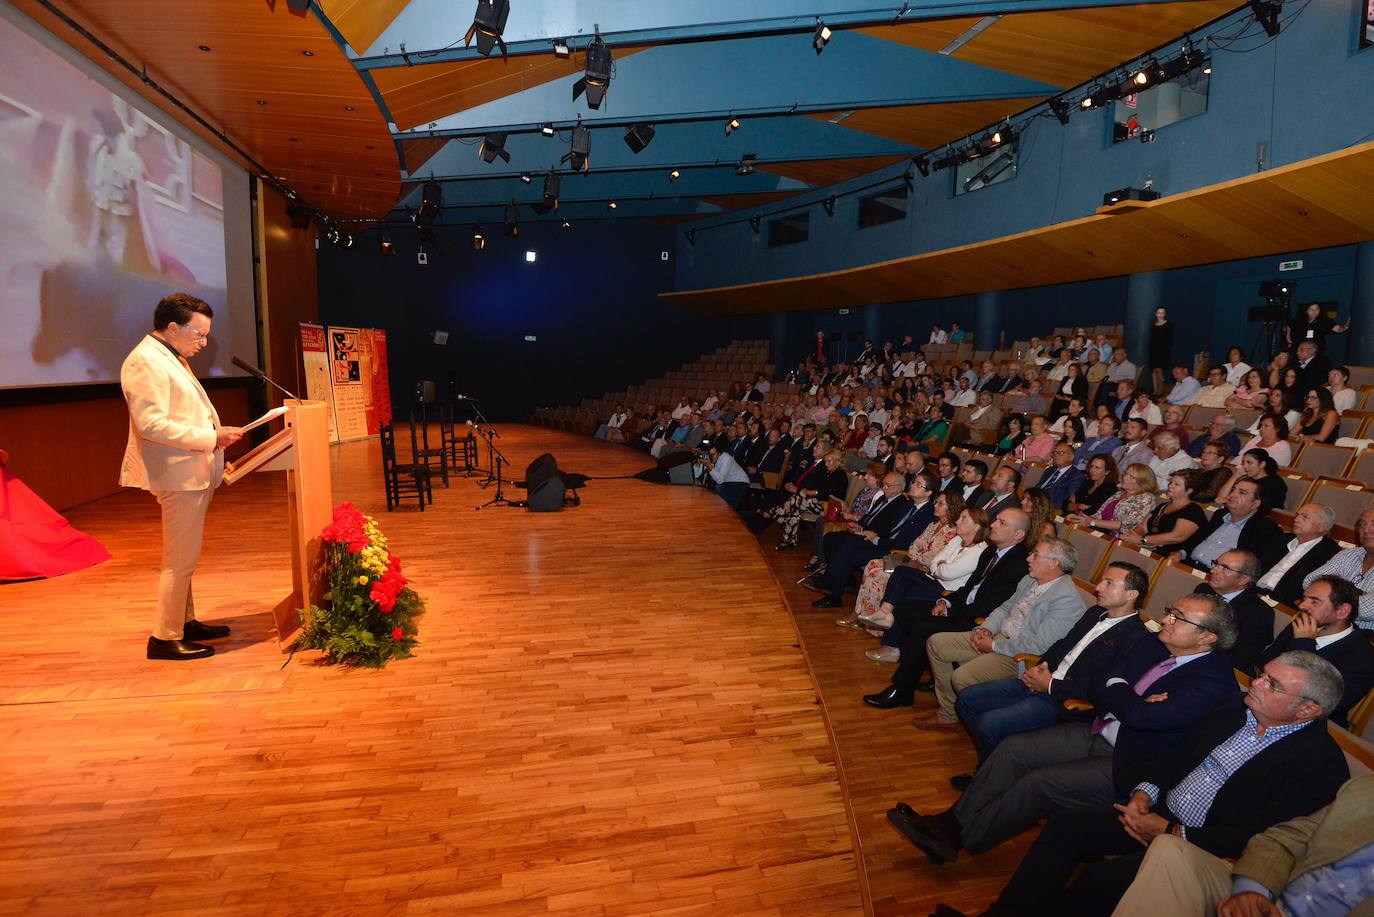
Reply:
x=1246 y=767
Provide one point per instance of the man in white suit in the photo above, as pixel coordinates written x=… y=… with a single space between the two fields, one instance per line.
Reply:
x=176 y=451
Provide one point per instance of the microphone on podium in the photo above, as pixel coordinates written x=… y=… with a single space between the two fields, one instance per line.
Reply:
x=254 y=371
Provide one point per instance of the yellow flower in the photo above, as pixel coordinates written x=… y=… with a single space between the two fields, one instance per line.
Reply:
x=362 y=581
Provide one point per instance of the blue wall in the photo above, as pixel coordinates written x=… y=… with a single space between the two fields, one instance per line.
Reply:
x=1209 y=306
x=590 y=299
x=1308 y=92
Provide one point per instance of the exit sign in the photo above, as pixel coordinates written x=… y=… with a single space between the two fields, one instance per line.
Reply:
x=1290 y=265
x=844 y=311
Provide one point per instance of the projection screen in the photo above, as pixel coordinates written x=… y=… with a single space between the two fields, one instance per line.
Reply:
x=107 y=205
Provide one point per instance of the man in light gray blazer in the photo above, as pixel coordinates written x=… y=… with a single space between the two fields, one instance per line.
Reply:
x=176 y=451
x=1044 y=607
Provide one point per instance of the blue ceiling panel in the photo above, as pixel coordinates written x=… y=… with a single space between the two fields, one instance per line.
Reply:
x=776 y=139
x=741 y=76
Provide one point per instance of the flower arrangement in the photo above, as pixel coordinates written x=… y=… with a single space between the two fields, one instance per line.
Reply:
x=369 y=614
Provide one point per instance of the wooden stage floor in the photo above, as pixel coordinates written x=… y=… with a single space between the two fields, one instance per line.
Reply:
x=609 y=713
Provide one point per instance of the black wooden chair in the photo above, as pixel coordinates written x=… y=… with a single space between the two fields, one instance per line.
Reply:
x=437 y=458
x=458 y=449
x=402 y=480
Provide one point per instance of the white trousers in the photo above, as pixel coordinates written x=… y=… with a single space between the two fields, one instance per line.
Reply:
x=183 y=525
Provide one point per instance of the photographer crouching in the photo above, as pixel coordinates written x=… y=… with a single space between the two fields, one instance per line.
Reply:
x=732 y=483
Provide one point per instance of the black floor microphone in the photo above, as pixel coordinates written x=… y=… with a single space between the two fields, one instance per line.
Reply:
x=254 y=371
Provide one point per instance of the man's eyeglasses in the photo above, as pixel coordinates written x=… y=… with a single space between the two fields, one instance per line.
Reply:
x=196 y=333
x=1229 y=567
x=1268 y=681
x=1172 y=614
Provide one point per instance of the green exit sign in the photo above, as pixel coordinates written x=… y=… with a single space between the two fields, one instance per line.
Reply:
x=1290 y=265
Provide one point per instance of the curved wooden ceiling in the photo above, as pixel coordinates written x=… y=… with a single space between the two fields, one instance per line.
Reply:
x=1321 y=202
x=310 y=120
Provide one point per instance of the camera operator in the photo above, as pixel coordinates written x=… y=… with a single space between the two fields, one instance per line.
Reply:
x=732 y=483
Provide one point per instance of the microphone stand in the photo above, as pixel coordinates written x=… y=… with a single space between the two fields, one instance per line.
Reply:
x=489 y=434
x=499 y=498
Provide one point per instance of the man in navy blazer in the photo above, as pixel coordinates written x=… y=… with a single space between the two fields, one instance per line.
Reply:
x=892 y=524
x=1143 y=708
x=1098 y=642
x=1061 y=479
x=1278 y=762
x=1325 y=626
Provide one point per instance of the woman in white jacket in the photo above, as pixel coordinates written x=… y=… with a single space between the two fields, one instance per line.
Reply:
x=950 y=569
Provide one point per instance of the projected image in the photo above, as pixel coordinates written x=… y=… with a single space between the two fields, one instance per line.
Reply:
x=103 y=210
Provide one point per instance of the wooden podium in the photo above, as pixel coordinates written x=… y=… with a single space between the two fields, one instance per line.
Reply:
x=301 y=449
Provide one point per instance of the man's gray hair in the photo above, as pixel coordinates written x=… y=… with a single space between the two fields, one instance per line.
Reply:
x=1166 y=440
x=1324 y=686
x=1327 y=514
x=1221 y=618
x=1227 y=420
x=1065 y=554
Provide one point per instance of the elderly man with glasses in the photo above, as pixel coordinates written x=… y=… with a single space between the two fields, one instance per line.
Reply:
x=1356 y=566
x=1233 y=578
x=1245 y=768
x=1143 y=707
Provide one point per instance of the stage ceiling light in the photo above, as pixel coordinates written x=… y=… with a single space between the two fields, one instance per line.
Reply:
x=821 y=38
x=731 y=126
x=638 y=137
x=549 y=201
x=674 y=175
x=746 y=164
x=512 y=221
x=488 y=24
x=596 y=78
x=493 y=145
x=386 y=246
x=479 y=241
x=580 y=149
x=546 y=130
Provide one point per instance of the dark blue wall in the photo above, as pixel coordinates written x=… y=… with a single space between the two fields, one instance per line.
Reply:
x=1309 y=91
x=1209 y=306
x=590 y=299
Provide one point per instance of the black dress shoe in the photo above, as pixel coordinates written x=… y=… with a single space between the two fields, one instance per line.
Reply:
x=815 y=584
x=177 y=649
x=926 y=687
x=199 y=630
x=961 y=782
x=813 y=566
x=924 y=833
x=891 y=698
x=827 y=601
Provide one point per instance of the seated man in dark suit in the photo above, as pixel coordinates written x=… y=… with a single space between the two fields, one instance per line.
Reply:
x=1325 y=626
x=1145 y=707
x=661 y=429
x=1061 y=479
x=917 y=614
x=803 y=444
x=1098 y=642
x=1245 y=768
x=891 y=525
x=1241 y=524
x=769 y=460
x=1232 y=577
x=971 y=481
x=1290 y=562
x=1303 y=861
x=1002 y=496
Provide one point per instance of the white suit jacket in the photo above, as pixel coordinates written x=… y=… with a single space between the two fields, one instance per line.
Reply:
x=172 y=424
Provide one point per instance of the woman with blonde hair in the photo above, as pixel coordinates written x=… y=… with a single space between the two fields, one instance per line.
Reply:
x=1129 y=506
x=926 y=547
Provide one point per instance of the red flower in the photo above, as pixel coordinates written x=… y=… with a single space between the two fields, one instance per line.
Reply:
x=397 y=634
x=346 y=528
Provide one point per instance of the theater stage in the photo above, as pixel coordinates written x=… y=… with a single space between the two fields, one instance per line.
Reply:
x=609 y=713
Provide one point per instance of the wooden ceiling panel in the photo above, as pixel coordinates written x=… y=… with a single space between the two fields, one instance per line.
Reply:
x=418 y=152
x=1319 y=203
x=745 y=201
x=426 y=92
x=819 y=172
x=361 y=22
x=343 y=162
x=1063 y=47
x=928 y=126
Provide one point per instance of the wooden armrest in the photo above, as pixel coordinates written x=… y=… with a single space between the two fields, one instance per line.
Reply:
x=1076 y=705
x=1030 y=659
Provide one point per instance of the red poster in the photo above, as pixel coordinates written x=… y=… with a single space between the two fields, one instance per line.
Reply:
x=379 y=412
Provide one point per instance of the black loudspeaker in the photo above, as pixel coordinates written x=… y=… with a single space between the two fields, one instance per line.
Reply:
x=679 y=467
x=424 y=391
x=545 y=484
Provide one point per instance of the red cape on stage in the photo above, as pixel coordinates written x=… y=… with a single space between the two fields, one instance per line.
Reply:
x=35 y=540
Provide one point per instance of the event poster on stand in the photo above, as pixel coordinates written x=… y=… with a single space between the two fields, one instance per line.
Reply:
x=315 y=356
x=350 y=379
x=347 y=369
